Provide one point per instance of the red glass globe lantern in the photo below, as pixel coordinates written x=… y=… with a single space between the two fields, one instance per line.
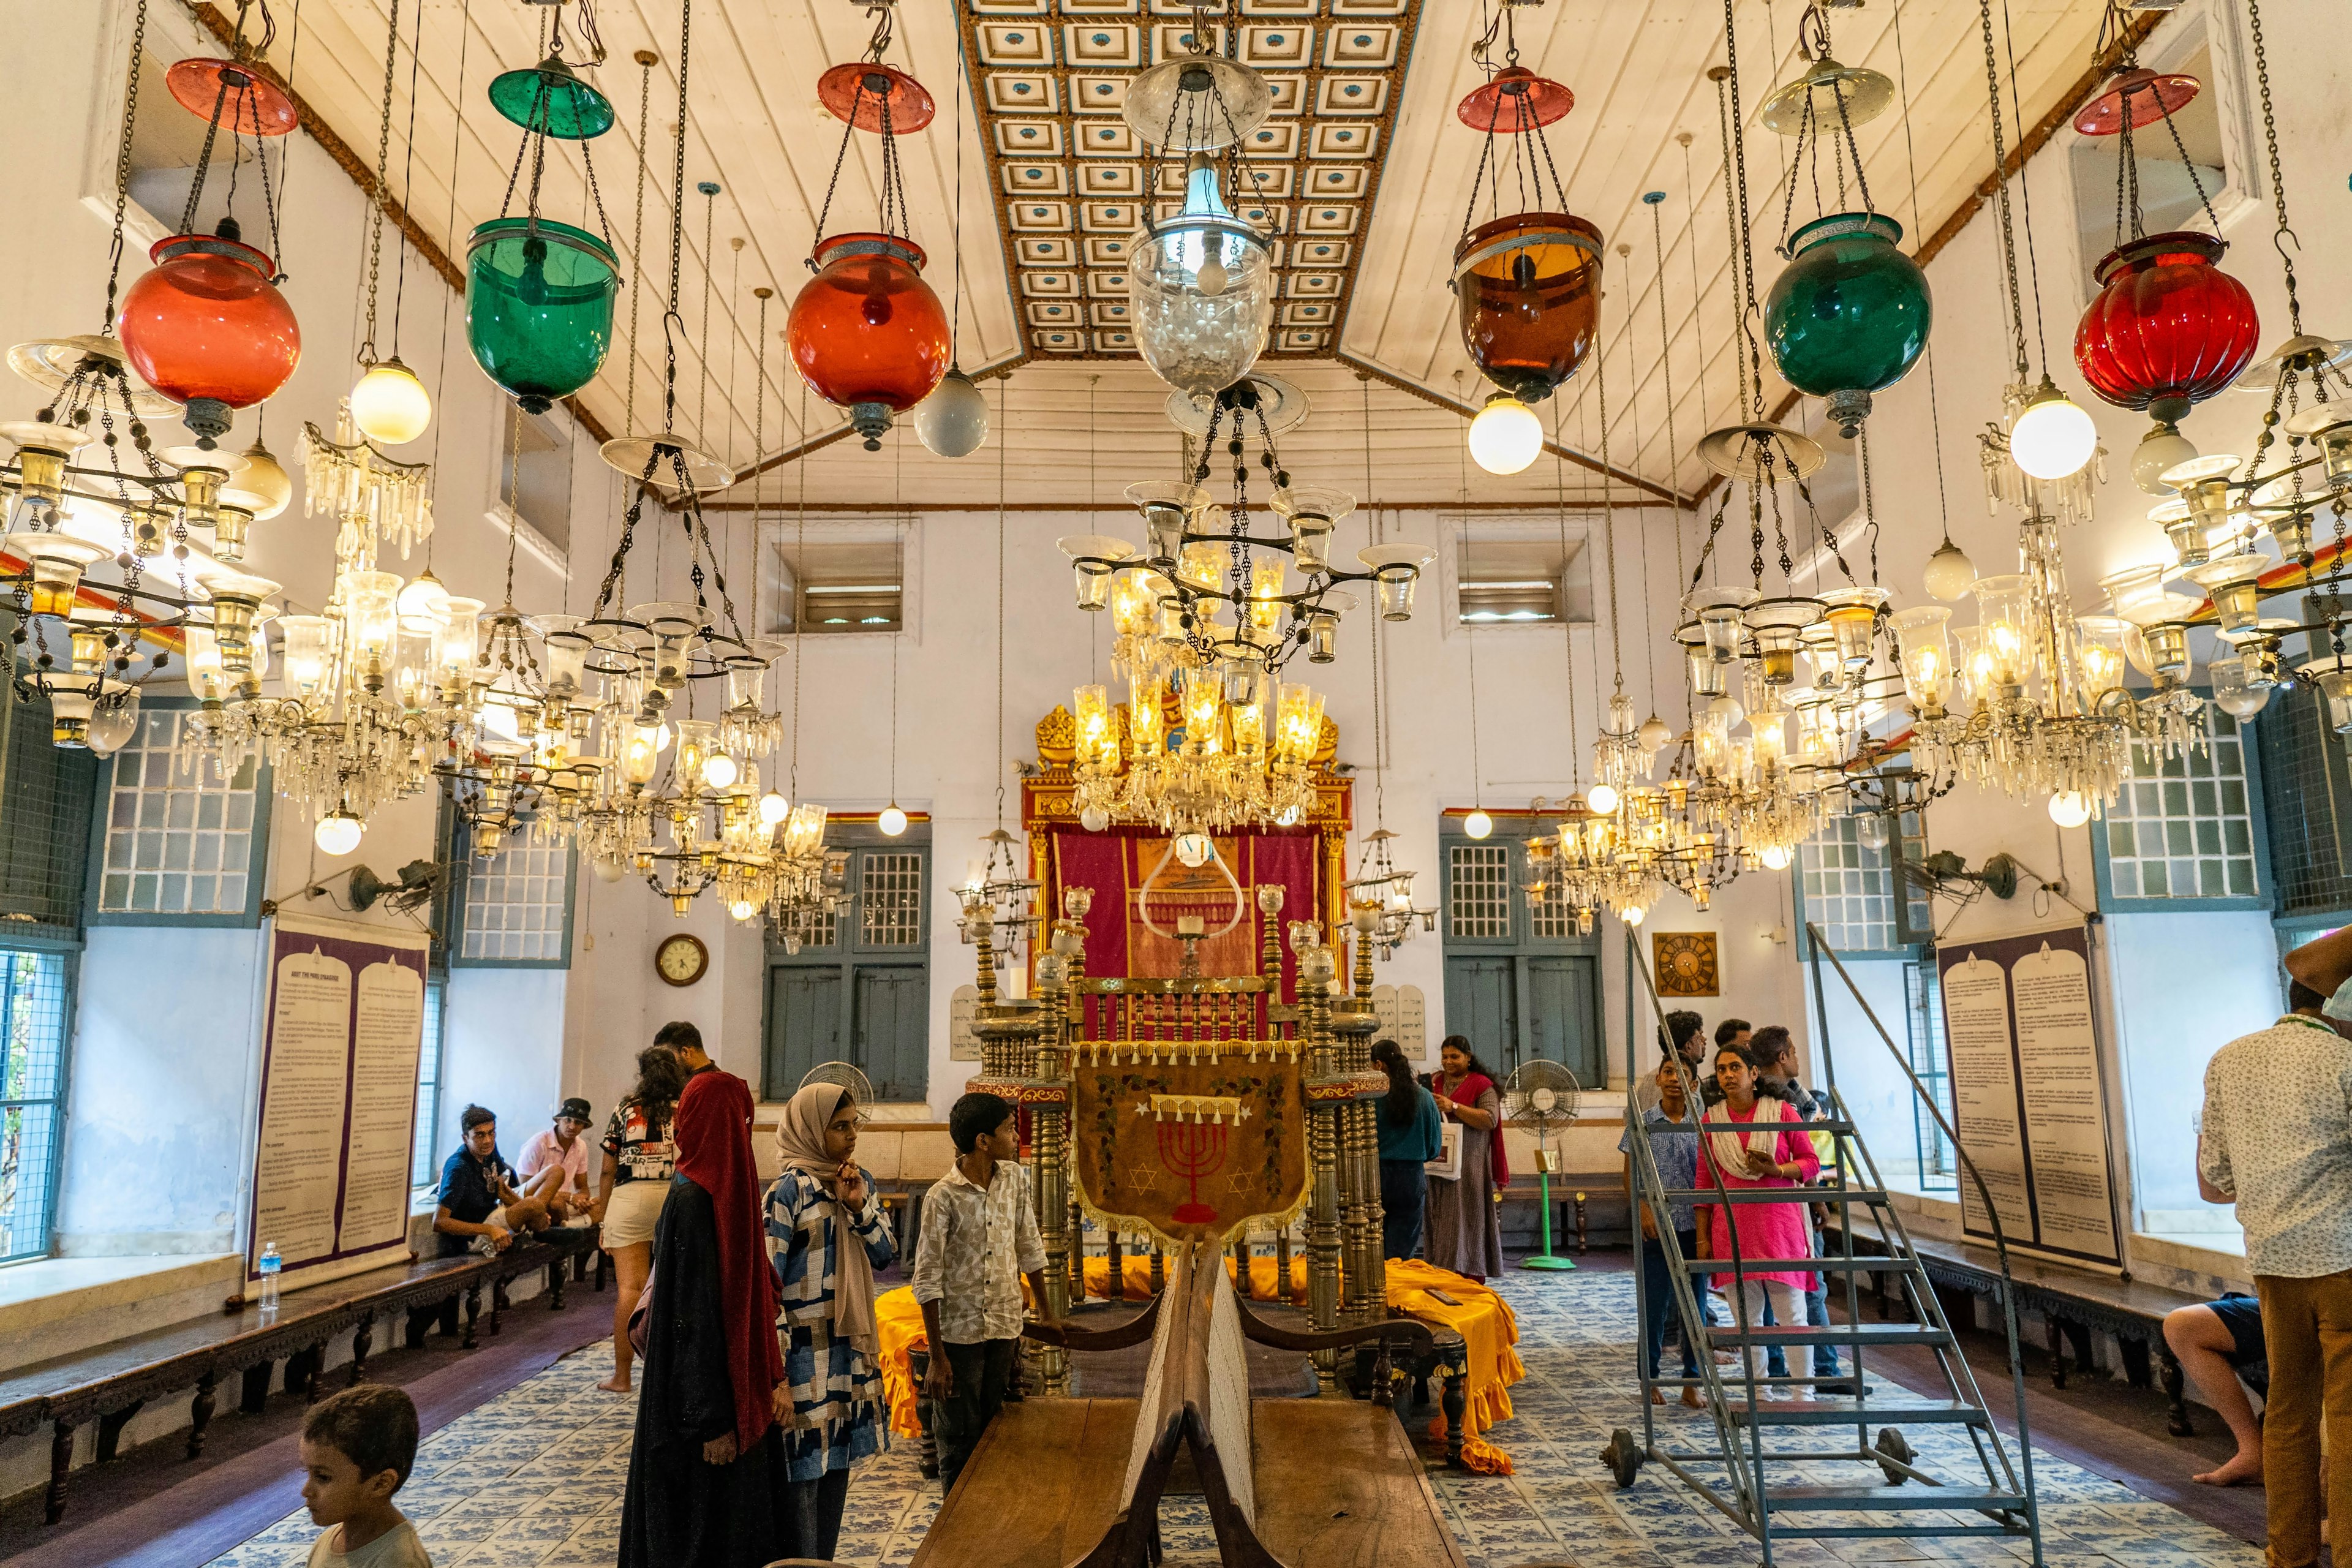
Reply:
x=208 y=329
x=2168 y=328
x=866 y=332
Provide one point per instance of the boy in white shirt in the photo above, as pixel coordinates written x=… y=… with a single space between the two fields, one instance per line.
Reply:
x=357 y=1451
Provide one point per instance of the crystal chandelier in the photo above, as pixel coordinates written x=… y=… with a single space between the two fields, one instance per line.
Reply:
x=1380 y=897
x=1210 y=735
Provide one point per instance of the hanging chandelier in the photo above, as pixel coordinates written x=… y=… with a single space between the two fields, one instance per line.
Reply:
x=1527 y=286
x=1849 y=315
x=1209 y=736
x=1202 y=279
x=866 y=332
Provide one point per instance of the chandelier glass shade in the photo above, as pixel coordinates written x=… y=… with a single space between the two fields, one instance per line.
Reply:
x=1850 y=313
x=1527 y=293
x=1202 y=291
x=2168 y=328
x=866 y=332
x=208 y=329
x=539 y=307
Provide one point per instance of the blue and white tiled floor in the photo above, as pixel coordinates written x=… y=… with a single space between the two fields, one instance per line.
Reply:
x=535 y=1477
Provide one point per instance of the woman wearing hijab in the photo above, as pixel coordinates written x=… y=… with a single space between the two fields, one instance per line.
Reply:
x=707 y=1472
x=826 y=1238
x=1465 y=1226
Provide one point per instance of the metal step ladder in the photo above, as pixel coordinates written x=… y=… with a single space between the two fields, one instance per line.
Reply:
x=1762 y=1471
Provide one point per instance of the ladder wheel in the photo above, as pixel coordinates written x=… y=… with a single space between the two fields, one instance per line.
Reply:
x=1897 y=1449
x=1623 y=1457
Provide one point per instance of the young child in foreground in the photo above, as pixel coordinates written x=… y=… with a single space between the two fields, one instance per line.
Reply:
x=357 y=1451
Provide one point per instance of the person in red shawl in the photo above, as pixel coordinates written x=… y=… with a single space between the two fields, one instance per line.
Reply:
x=708 y=1473
x=1466 y=1223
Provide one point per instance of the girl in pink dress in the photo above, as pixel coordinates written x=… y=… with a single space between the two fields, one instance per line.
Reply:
x=1775 y=1152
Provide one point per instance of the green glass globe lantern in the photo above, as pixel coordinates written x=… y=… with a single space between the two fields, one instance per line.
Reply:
x=540 y=293
x=539 y=307
x=1849 y=315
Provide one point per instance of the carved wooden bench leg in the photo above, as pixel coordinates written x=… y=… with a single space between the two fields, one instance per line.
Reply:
x=497 y=1306
x=254 y=1397
x=472 y=1314
x=918 y=1366
x=314 y=1368
x=2055 y=1333
x=363 y=1342
x=110 y=1430
x=2176 y=1391
x=53 y=1504
x=1455 y=1403
x=200 y=1414
x=2136 y=1360
x=555 y=1272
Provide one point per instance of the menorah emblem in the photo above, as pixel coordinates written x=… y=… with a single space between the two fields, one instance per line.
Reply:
x=1191 y=1150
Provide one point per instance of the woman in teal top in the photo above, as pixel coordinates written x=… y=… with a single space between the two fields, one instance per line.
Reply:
x=1412 y=1134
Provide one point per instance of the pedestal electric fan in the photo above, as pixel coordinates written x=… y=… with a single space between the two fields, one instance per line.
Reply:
x=1542 y=1094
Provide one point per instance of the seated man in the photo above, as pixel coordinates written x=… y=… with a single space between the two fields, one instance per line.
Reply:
x=554 y=1164
x=481 y=1210
x=2219 y=1343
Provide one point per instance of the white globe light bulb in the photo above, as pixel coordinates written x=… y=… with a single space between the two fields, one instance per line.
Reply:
x=742 y=908
x=892 y=822
x=1093 y=819
x=718 y=769
x=1477 y=825
x=1730 y=708
x=773 y=808
x=1775 y=857
x=1654 y=734
x=338 y=832
x=1633 y=916
x=1603 y=798
x=2163 y=448
x=2053 y=438
x=423 y=605
x=2069 y=808
x=1213 y=277
x=953 y=420
x=390 y=404
x=1949 y=574
x=610 y=867
x=1505 y=436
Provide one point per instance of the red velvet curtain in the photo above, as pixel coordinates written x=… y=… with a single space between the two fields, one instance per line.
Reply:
x=1115 y=864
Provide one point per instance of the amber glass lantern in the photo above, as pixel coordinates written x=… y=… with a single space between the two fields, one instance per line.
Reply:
x=1526 y=294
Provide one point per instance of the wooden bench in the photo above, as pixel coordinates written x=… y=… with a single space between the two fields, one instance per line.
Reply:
x=2073 y=1304
x=111 y=1384
x=1310 y=1483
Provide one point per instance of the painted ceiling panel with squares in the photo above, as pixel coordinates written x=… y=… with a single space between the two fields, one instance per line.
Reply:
x=1056 y=74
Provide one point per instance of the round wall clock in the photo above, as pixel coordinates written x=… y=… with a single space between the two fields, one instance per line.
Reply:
x=681 y=958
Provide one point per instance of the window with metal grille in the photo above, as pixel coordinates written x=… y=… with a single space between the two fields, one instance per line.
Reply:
x=183 y=840
x=840 y=584
x=517 y=907
x=1511 y=580
x=1938 y=1167
x=1479 y=891
x=2306 y=797
x=1848 y=887
x=2183 y=826
x=424 y=1162
x=35 y=1009
x=1551 y=917
x=45 y=853
x=890 y=900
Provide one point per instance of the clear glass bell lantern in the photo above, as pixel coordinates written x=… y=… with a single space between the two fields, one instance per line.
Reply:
x=1202 y=291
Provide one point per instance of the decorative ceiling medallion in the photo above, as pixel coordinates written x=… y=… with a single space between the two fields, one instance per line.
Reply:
x=1053 y=77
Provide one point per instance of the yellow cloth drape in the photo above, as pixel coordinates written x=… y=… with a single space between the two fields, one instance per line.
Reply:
x=1488 y=1328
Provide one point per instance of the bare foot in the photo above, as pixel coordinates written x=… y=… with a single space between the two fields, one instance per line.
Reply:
x=2241 y=1469
x=1691 y=1398
x=619 y=1383
x=1657 y=1397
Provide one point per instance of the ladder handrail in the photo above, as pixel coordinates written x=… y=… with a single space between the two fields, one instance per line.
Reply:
x=1992 y=1215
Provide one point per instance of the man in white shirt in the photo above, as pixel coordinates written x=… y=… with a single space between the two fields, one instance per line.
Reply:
x=2277 y=1141
x=979 y=1234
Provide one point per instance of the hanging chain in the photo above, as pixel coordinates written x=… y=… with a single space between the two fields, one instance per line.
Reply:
x=1567 y=632
x=2285 y=232
x=382 y=193
x=645 y=60
x=1609 y=517
x=2000 y=190
x=759 y=442
x=709 y=189
x=1004 y=430
x=1380 y=716
x=677 y=225
x=1911 y=154
x=123 y=167
x=1736 y=157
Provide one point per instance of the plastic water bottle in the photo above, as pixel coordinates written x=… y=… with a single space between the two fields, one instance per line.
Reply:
x=270 y=1263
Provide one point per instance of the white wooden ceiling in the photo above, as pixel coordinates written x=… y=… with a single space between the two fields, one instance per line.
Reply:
x=1638 y=68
